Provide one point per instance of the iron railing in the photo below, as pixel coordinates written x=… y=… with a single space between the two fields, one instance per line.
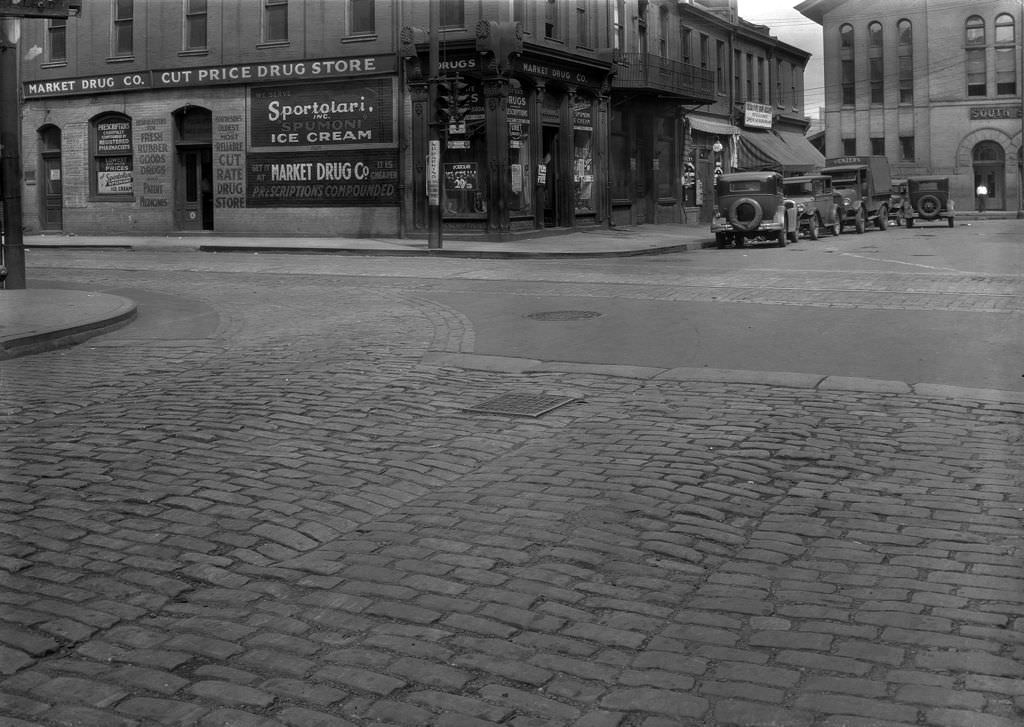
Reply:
x=646 y=71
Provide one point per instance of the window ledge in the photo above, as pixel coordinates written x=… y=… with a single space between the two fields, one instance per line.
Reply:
x=54 y=64
x=193 y=52
x=359 y=38
x=121 y=59
x=273 y=44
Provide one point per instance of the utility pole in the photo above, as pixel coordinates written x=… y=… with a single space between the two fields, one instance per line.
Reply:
x=10 y=158
x=11 y=13
x=434 y=218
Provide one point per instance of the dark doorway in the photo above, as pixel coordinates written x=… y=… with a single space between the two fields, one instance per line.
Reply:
x=553 y=194
x=193 y=183
x=52 y=183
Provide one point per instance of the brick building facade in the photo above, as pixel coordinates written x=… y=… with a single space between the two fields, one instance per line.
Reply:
x=311 y=117
x=935 y=85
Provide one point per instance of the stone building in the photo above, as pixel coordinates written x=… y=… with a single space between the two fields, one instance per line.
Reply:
x=935 y=85
x=311 y=117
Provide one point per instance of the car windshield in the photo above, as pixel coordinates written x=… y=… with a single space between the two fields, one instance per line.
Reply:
x=795 y=188
x=752 y=185
x=844 y=179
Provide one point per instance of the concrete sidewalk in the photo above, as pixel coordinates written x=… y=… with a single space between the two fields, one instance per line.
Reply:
x=595 y=242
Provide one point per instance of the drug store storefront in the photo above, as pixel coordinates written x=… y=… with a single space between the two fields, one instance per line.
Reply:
x=528 y=151
x=294 y=148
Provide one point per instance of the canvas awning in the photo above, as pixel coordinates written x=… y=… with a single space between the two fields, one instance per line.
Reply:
x=783 y=151
x=711 y=126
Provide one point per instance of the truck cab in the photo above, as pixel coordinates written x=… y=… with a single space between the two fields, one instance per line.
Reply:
x=864 y=185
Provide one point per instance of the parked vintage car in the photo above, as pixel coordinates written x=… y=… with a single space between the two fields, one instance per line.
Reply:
x=817 y=205
x=928 y=200
x=752 y=206
x=897 y=200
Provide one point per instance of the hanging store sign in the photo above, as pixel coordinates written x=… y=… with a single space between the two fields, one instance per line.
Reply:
x=757 y=115
x=212 y=76
x=341 y=113
x=321 y=179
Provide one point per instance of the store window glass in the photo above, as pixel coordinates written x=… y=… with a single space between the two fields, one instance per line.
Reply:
x=619 y=155
x=112 y=159
x=519 y=152
x=583 y=154
x=464 y=175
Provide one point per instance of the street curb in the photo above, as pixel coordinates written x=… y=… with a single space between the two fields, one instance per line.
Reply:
x=50 y=340
x=473 y=254
x=784 y=379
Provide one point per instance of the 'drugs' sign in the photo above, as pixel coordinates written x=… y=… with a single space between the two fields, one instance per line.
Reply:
x=358 y=113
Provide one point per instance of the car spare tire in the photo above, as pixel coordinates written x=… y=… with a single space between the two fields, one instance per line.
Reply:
x=929 y=206
x=746 y=214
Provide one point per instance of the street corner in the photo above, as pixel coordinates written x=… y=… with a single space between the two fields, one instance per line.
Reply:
x=42 y=319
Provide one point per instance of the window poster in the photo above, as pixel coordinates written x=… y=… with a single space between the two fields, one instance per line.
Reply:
x=114 y=175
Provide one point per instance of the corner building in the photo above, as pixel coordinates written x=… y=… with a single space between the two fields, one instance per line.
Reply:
x=935 y=85
x=312 y=117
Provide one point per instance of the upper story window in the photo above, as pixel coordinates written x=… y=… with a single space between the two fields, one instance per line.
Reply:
x=687 y=40
x=583 y=32
x=551 y=29
x=618 y=13
x=362 y=17
x=275 y=21
x=904 y=32
x=122 y=41
x=705 y=51
x=195 y=25
x=453 y=14
x=905 y=62
x=57 y=41
x=974 y=30
x=846 y=36
x=720 y=66
x=876 y=64
x=1006 y=54
x=663 y=31
x=875 y=35
x=975 y=61
x=780 y=99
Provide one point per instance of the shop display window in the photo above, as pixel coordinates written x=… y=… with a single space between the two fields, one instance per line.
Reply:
x=112 y=157
x=521 y=190
x=583 y=156
x=464 y=172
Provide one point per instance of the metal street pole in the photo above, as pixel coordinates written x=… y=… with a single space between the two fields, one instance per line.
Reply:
x=434 y=218
x=10 y=157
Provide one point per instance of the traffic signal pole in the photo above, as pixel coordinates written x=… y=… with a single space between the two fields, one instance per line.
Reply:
x=434 y=237
x=10 y=157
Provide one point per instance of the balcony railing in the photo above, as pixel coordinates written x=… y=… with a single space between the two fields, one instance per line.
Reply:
x=646 y=71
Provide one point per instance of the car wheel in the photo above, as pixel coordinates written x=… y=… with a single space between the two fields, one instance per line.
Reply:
x=883 y=218
x=910 y=222
x=950 y=220
x=859 y=222
x=739 y=239
x=812 y=231
x=837 y=223
x=792 y=236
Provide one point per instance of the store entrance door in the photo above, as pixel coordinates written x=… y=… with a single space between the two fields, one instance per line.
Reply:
x=553 y=192
x=990 y=170
x=193 y=189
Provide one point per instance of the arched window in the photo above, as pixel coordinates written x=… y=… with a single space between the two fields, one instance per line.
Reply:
x=846 y=67
x=876 y=66
x=1006 y=64
x=905 y=32
x=905 y=61
x=846 y=36
x=977 y=70
x=1004 y=29
x=112 y=158
x=974 y=30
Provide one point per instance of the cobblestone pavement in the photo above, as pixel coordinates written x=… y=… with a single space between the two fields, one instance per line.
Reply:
x=295 y=522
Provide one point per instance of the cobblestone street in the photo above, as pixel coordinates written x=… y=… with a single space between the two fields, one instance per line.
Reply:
x=294 y=521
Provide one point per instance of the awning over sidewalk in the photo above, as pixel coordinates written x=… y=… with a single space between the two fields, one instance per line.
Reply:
x=711 y=126
x=783 y=151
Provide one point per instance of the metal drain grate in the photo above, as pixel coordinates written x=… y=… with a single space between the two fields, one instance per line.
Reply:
x=564 y=315
x=529 y=405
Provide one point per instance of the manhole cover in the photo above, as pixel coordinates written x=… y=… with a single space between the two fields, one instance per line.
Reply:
x=530 y=405
x=564 y=315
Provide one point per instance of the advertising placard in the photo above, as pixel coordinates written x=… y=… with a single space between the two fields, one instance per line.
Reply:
x=757 y=115
x=335 y=114
x=321 y=179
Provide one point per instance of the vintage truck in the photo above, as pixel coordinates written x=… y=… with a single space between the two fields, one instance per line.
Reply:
x=864 y=184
